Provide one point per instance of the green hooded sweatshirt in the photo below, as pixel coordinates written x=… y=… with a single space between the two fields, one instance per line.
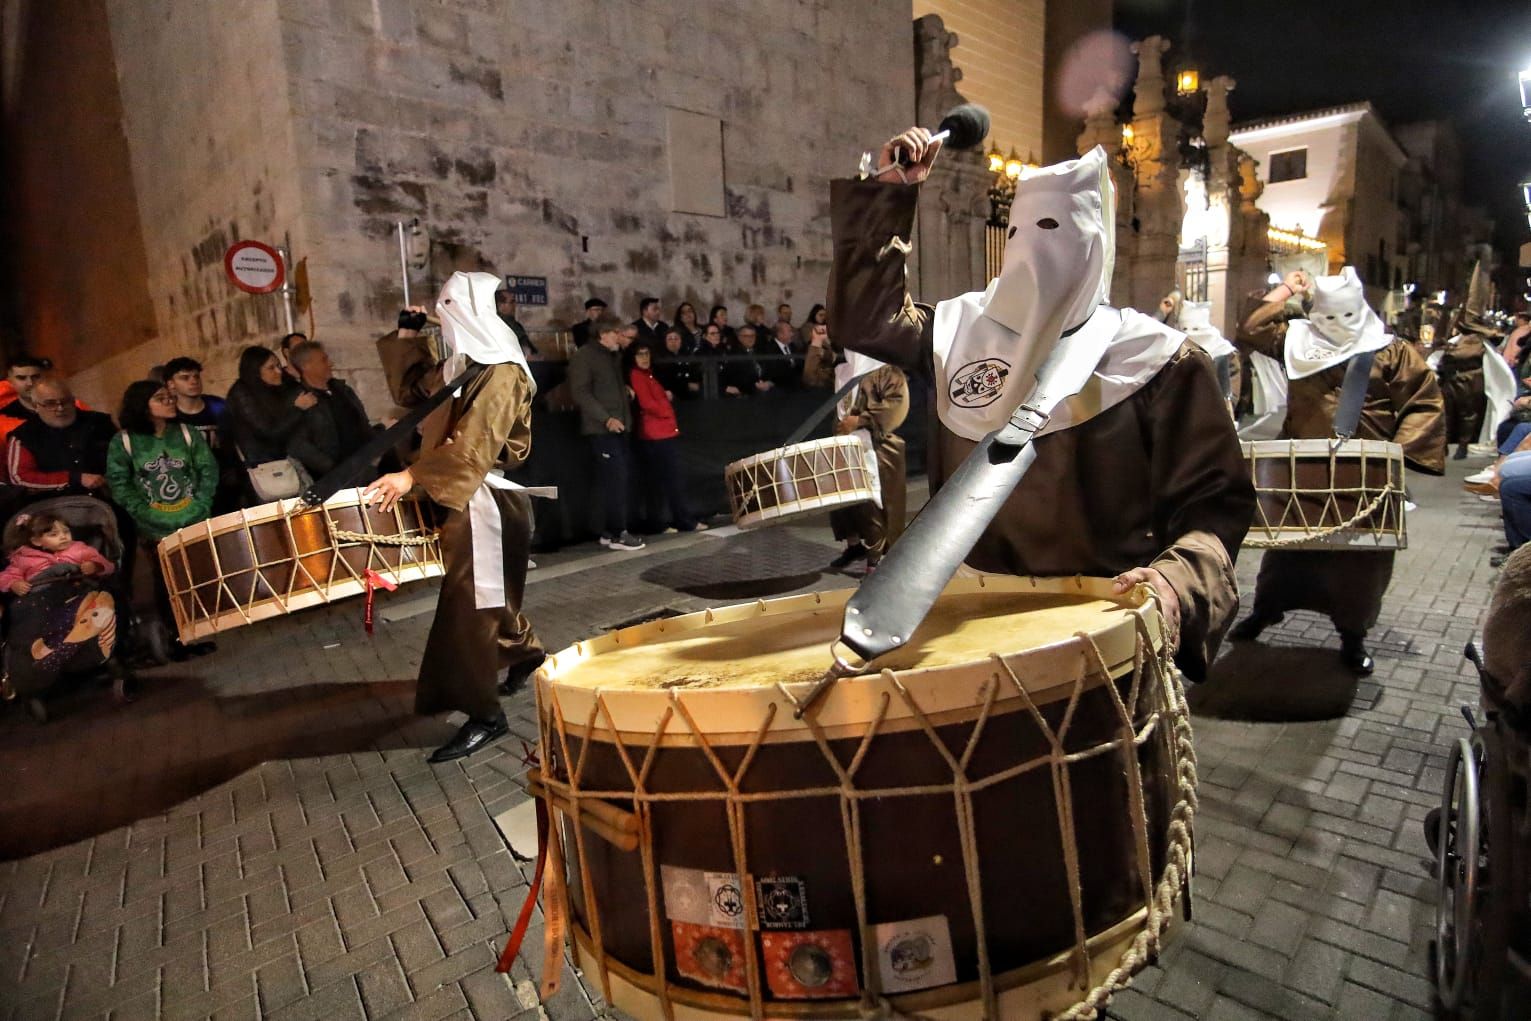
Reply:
x=165 y=482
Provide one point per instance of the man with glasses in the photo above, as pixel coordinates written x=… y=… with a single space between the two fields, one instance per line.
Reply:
x=63 y=449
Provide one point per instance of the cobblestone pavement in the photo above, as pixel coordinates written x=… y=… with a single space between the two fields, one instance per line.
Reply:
x=259 y=836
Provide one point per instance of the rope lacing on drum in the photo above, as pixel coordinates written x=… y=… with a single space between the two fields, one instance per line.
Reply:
x=395 y=539
x=1297 y=539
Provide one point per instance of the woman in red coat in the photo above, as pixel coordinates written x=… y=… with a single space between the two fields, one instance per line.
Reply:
x=659 y=447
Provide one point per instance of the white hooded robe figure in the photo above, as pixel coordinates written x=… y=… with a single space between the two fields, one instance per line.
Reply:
x=485 y=522
x=1401 y=404
x=1137 y=464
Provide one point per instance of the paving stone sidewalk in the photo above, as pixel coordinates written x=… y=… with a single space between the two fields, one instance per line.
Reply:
x=259 y=836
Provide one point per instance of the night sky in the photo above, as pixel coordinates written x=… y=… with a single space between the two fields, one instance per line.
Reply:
x=1454 y=59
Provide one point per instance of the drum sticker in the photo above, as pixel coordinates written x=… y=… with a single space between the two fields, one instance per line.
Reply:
x=726 y=896
x=916 y=954
x=710 y=955
x=782 y=902
x=702 y=898
x=810 y=965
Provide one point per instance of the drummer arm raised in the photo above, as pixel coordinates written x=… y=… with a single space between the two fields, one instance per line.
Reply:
x=870 y=309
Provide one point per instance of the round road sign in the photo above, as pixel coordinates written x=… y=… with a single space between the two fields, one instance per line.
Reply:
x=253 y=267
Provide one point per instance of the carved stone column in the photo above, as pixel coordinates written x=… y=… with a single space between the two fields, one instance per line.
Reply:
x=1158 y=207
x=954 y=200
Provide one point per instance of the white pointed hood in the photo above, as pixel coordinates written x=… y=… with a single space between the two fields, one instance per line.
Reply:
x=1195 y=321
x=1339 y=326
x=470 y=328
x=1059 y=255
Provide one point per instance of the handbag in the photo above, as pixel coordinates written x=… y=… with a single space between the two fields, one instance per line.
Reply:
x=281 y=479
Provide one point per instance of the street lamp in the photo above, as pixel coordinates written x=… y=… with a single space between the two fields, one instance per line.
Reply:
x=1188 y=82
x=1014 y=165
x=1525 y=92
x=996 y=161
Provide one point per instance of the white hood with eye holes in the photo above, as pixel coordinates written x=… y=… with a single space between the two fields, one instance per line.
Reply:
x=1340 y=325
x=1056 y=278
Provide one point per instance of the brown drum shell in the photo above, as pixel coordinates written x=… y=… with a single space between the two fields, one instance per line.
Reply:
x=911 y=844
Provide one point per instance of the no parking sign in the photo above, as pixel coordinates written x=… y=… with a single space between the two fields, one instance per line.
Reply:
x=254 y=267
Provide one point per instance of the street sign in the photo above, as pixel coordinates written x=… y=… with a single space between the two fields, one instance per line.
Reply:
x=254 y=267
x=528 y=290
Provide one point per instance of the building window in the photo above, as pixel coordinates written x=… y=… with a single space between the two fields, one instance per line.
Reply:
x=1291 y=165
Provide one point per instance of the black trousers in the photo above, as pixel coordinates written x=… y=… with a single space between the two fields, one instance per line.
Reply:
x=612 y=455
x=664 y=485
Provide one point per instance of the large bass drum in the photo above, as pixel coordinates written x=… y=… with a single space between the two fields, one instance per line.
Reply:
x=997 y=825
x=285 y=556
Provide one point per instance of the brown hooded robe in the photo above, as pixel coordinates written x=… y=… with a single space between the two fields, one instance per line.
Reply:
x=1157 y=480
x=1403 y=405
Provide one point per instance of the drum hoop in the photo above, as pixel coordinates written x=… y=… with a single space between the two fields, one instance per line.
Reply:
x=808 y=1010
x=777 y=453
x=849 y=705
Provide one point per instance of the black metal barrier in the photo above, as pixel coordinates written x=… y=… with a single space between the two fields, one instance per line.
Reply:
x=714 y=432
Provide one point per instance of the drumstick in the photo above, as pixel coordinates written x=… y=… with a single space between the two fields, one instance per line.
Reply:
x=617 y=838
x=619 y=818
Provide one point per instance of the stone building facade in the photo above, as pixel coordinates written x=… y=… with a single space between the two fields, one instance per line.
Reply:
x=576 y=141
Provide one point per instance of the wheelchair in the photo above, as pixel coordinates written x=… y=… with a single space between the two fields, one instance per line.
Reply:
x=1481 y=953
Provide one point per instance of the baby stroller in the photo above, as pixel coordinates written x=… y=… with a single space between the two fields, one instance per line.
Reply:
x=66 y=627
x=1481 y=835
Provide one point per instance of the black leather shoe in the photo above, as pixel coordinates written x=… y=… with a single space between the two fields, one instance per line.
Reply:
x=1461 y=454
x=1249 y=629
x=471 y=736
x=1354 y=655
x=854 y=552
x=517 y=676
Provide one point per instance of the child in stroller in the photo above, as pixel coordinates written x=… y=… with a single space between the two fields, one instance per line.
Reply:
x=63 y=620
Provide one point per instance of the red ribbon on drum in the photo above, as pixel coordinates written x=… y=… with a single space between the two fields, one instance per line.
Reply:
x=374 y=581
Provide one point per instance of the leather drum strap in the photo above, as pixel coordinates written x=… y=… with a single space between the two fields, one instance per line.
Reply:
x=513 y=945
x=1358 y=372
x=801 y=432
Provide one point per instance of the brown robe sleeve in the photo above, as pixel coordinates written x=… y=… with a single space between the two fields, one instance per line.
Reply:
x=1263 y=327
x=819 y=368
x=870 y=309
x=1203 y=500
x=1419 y=410
x=410 y=368
x=881 y=401
x=489 y=425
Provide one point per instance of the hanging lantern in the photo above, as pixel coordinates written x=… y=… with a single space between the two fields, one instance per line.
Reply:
x=1127 y=135
x=1013 y=165
x=996 y=161
x=1188 y=82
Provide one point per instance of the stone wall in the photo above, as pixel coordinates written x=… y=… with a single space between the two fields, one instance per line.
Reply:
x=530 y=139
x=208 y=121
x=526 y=137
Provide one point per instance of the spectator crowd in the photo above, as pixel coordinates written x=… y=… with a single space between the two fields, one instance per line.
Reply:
x=172 y=455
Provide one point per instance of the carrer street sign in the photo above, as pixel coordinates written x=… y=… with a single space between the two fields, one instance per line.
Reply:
x=528 y=290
